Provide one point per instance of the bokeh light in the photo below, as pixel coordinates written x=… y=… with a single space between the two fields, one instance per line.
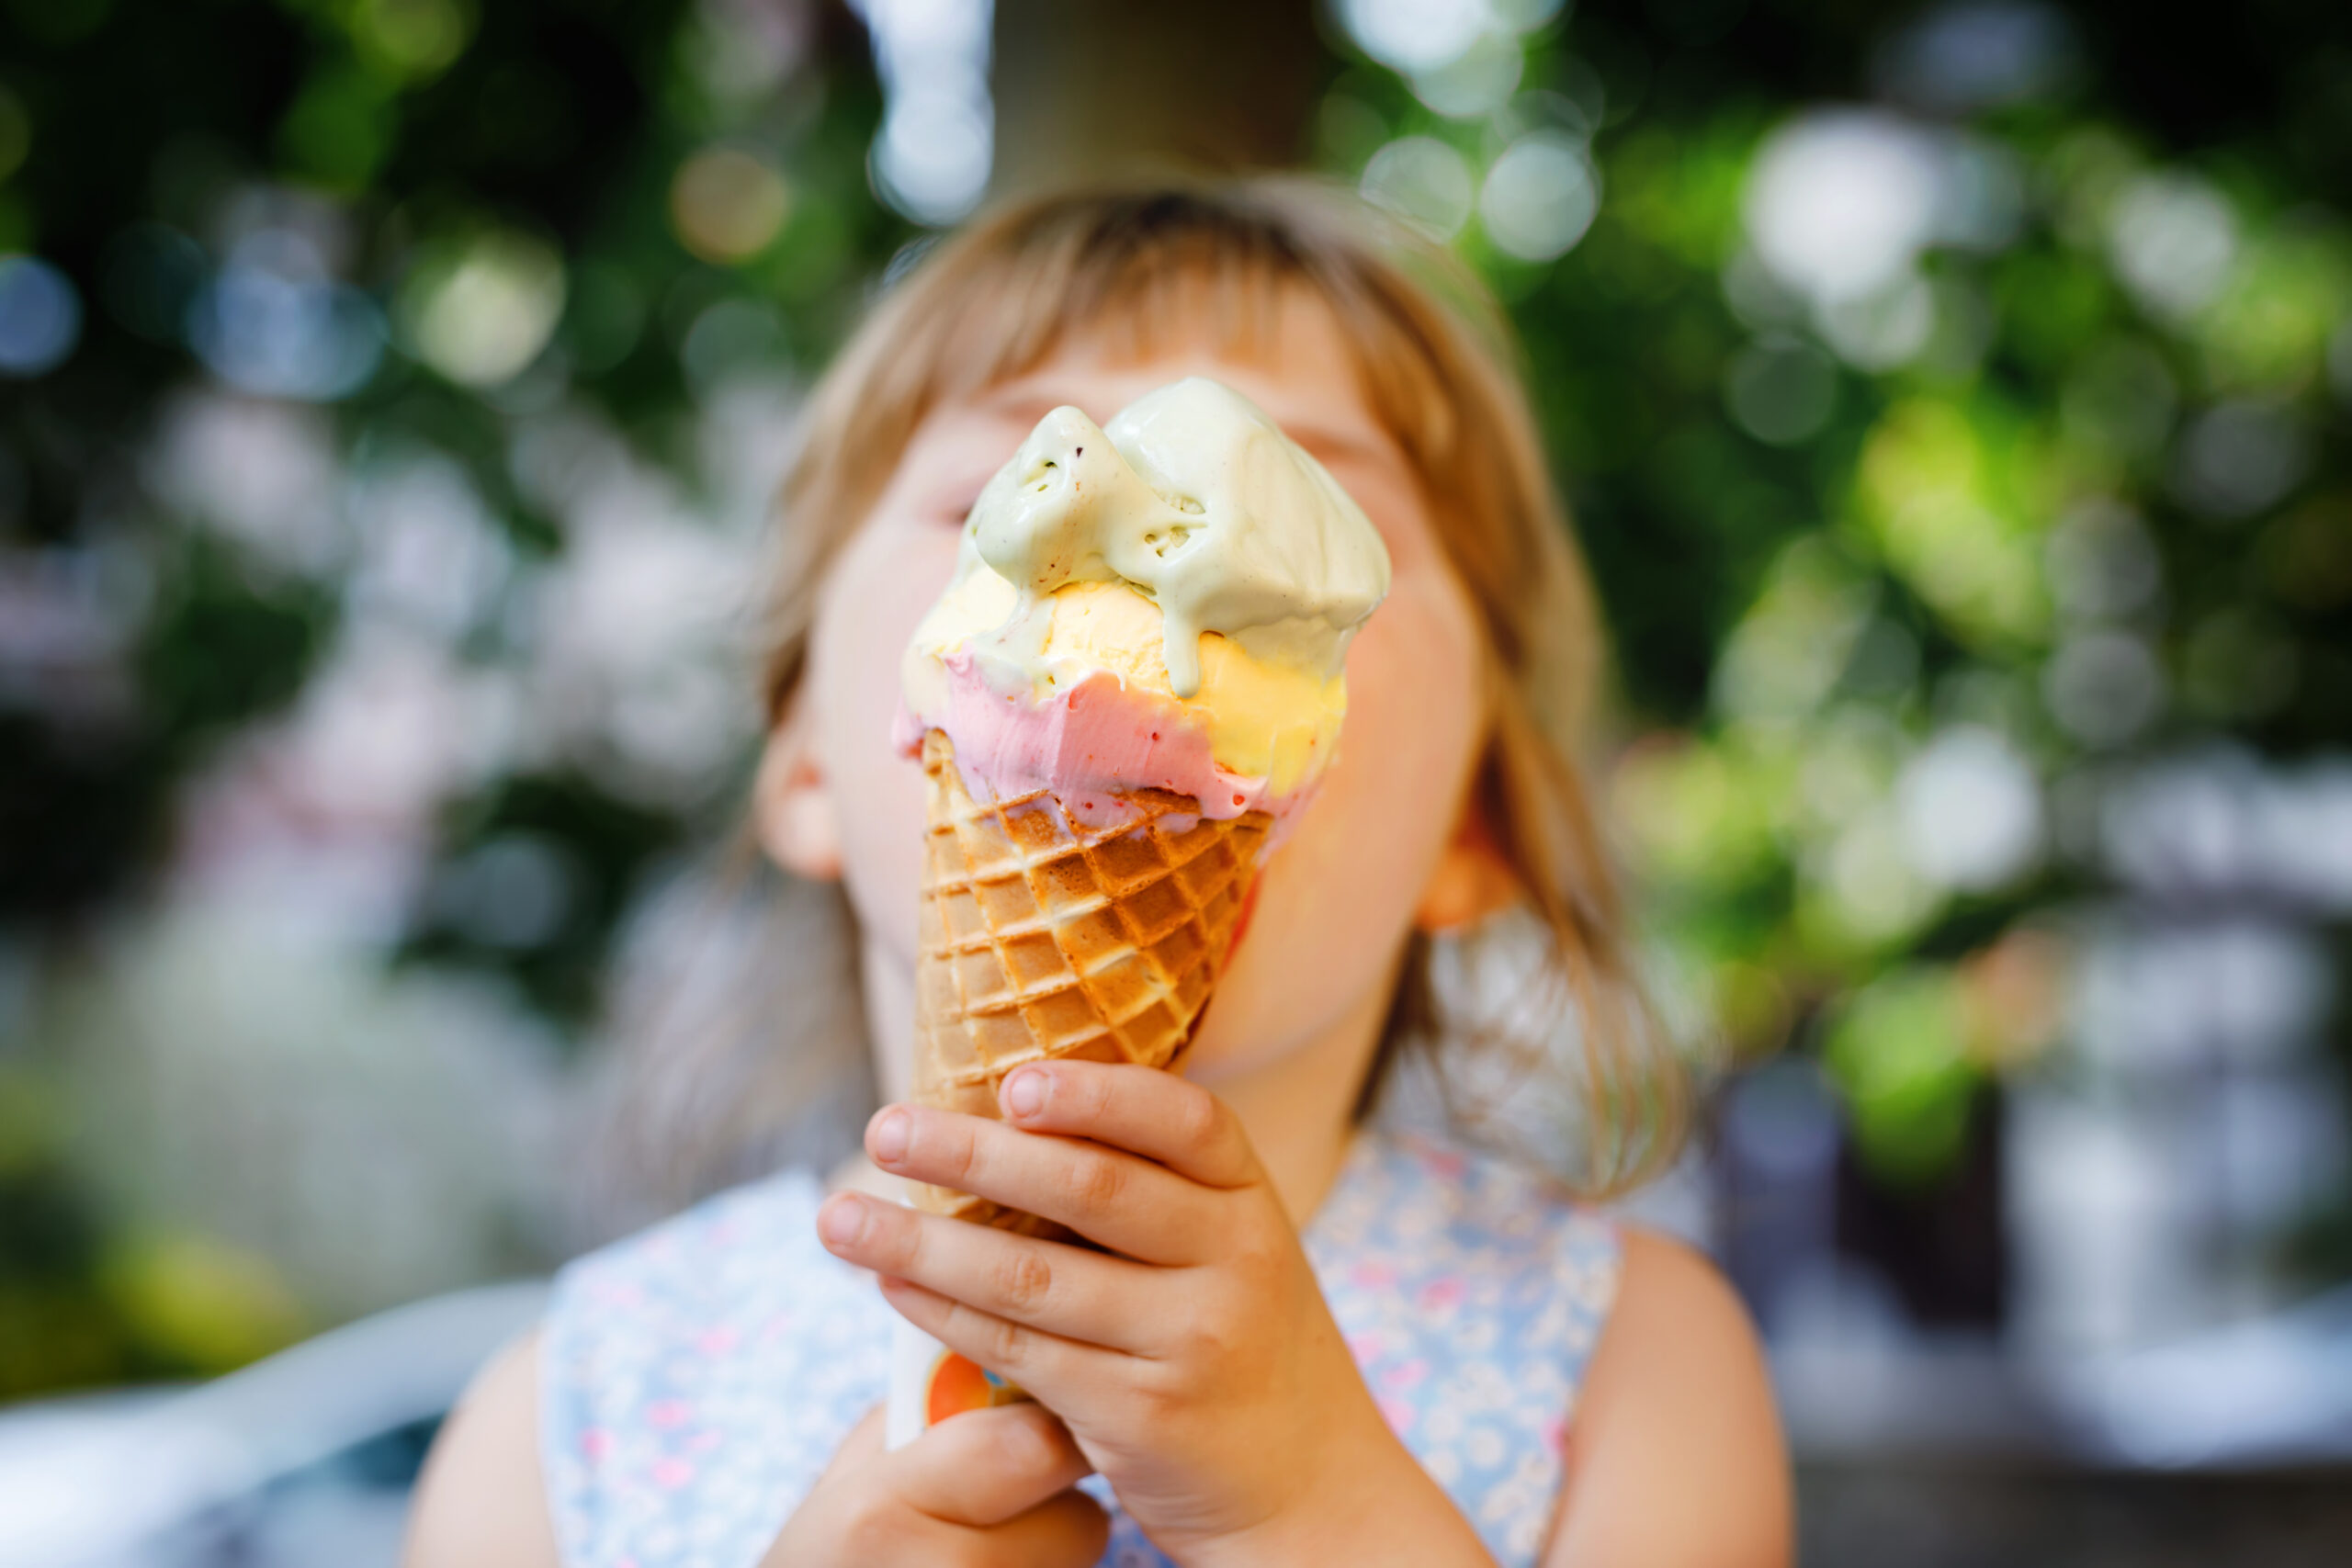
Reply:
x=2173 y=238
x=1839 y=203
x=1416 y=35
x=1972 y=811
x=275 y=320
x=732 y=338
x=1475 y=82
x=480 y=307
x=1978 y=54
x=2241 y=457
x=931 y=157
x=2104 y=687
x=1422 y=180
x=931 y=161
x=40 y=316
x=726 y=204
x=1782 y=390
x=1539 y=197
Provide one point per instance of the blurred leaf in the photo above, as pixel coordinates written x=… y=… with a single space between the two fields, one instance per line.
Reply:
x=225 y=651
x=614 y=844
x=411 y=40
x=1897 y=1050
x=2294 y=289
x=198 y=1302
x=339 y=131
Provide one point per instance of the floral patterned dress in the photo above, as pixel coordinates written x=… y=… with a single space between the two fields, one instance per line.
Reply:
x=697 y=1378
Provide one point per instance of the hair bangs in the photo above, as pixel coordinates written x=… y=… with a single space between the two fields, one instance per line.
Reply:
x=1128 y=283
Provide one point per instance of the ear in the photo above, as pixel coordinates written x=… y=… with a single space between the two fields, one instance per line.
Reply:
x=1471 y=880
x=792 y=804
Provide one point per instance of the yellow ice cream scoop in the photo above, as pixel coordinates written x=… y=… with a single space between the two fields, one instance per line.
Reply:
x=1265 y=720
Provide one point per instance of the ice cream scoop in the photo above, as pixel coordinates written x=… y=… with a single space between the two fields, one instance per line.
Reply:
x=1161 y=602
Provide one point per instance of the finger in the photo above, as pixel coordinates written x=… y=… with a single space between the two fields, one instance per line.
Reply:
x=1063 y=1290
x=1129 y=1206
x=1072 y=1527
x=865 y=1440
x=1067 y=1376
x=987 y=1466
x=1156 y=1114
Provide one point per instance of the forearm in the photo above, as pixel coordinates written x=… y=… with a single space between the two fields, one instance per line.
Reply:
x=1388 y=1512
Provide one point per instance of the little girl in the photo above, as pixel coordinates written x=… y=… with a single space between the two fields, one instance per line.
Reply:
x=1309 y=1340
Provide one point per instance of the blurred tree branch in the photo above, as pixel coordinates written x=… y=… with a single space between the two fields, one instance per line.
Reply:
x=1089 y=90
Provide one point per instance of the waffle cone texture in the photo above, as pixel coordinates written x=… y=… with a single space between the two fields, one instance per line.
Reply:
x=1044 y=939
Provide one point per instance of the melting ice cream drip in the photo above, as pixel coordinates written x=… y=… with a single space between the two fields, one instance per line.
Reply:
x=1195 y=498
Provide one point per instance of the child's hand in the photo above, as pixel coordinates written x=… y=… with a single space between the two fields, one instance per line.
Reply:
x=990 y=1490
x=1199 y=1369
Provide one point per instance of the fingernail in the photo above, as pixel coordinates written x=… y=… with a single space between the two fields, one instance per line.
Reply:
x=1024 y=1093
x=890 y=1138
x=843 y=1220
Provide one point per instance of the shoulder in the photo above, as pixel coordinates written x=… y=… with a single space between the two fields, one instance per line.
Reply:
x=1676 y=1402
x=1672 y=1294
x=480 y=1501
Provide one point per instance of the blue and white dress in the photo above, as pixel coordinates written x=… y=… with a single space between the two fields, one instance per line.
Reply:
x=697 y=1378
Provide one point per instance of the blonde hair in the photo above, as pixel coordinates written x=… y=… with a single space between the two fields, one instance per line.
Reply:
x=1438 y=367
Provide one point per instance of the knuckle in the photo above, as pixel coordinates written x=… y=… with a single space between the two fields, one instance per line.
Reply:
x=1024 y=1279
x=1204 y=1340
x=1258 y=1262
x=1201 y=1124
x=1008 y=1343
x=1093 y=1183
x=1159 y=1391
x=898 y=1244
x=962 y=1156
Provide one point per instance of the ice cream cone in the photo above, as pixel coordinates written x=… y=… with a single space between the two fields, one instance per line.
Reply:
x=1146 y=617
x=1044 y=939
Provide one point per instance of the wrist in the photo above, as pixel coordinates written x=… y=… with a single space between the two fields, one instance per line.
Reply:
x=1381 y=1507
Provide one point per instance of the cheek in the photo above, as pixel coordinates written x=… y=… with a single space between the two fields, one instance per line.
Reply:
x=1338 y=899
x=876 y=594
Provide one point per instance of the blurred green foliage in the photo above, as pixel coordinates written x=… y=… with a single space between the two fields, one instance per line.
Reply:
x=2024 y=507
x=524 y=153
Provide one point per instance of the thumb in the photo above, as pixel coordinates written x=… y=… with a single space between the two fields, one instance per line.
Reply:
x=986 y=1466
x=865 y=1439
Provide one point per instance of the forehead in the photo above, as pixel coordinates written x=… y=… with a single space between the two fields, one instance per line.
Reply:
x=1289 y=355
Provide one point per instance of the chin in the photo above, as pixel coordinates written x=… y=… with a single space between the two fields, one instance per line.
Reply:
x=1296 y=977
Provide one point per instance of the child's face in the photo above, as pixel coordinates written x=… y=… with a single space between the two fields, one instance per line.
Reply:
x=1336 y=903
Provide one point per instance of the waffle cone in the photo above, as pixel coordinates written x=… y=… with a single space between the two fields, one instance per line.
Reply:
x=1043 y=939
